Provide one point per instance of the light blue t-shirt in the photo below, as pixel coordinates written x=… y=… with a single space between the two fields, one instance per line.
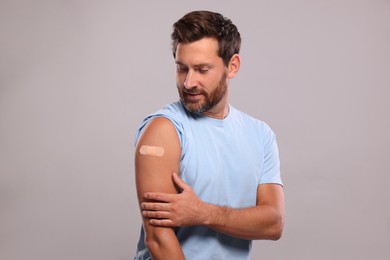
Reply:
x=223 y=161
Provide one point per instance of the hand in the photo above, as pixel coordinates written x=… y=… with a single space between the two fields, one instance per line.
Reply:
x=173 y=210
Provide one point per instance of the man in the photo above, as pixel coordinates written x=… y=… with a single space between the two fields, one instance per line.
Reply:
x=207 y=175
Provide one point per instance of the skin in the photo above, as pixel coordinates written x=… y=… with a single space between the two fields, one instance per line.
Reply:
x=153 y=173
x=203 y=86
x=201 y=75
x=264 y=221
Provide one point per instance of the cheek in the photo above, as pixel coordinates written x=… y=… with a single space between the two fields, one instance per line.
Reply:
x=179 y=84
x=213 y=81
x=180 y=79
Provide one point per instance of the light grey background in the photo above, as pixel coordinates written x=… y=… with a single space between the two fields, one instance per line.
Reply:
x=77 y=77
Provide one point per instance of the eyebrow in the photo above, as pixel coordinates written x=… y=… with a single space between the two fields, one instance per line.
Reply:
x=197 y=65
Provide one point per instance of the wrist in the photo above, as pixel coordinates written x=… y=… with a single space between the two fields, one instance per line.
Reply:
x=209 y=214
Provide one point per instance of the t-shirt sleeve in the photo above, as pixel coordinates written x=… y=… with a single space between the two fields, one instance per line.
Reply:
x=271 y=166
x=167 y=113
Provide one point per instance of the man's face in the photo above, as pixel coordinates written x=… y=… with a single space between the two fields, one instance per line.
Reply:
x=201 y=76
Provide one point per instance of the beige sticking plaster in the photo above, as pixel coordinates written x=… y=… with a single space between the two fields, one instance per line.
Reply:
x=151 y=150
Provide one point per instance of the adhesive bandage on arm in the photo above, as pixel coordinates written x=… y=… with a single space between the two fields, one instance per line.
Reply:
x=152 y=150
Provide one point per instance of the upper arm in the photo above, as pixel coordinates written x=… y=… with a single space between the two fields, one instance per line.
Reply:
x=154 y=173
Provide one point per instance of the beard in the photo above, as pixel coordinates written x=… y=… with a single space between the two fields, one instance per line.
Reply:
x=208 y=101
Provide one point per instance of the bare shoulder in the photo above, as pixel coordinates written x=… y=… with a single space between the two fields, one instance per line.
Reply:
x=159 y=130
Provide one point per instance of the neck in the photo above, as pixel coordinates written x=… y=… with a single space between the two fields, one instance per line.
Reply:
x=221 y=110
x=219 y=115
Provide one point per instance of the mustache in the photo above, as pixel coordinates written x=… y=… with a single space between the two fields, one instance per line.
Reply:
x=193 y=91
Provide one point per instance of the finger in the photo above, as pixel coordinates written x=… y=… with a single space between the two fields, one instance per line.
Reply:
x=155 y=214
x=158 y=196
x=162 y=222
x=179 y=182
x=155 y=206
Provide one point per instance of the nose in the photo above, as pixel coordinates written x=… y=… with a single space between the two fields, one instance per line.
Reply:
x=190 y=80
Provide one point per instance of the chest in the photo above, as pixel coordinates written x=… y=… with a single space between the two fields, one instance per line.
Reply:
x=223 y=165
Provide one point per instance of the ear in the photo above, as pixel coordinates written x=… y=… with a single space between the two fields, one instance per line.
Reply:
x=234 y=66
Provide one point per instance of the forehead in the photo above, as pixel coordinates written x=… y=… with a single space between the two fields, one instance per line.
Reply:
x=203 y=50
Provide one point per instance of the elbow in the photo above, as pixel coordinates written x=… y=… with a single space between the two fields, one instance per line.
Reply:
x=276 y=231
x=158 y=240
x=163 y=245
x=152 y=243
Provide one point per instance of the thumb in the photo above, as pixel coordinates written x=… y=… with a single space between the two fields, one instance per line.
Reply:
x=179 y=182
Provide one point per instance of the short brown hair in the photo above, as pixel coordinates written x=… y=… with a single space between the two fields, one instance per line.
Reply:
x=200 y=24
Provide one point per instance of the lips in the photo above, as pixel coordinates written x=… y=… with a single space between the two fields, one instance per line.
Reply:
x=191 y=91
x=193 y=94
x=192 y=97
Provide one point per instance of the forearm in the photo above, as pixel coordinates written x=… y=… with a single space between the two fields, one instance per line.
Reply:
x=259 y=222
x=263 y=221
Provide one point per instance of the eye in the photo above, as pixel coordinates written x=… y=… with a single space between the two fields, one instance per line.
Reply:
x=181 y=68
x=203 y=70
